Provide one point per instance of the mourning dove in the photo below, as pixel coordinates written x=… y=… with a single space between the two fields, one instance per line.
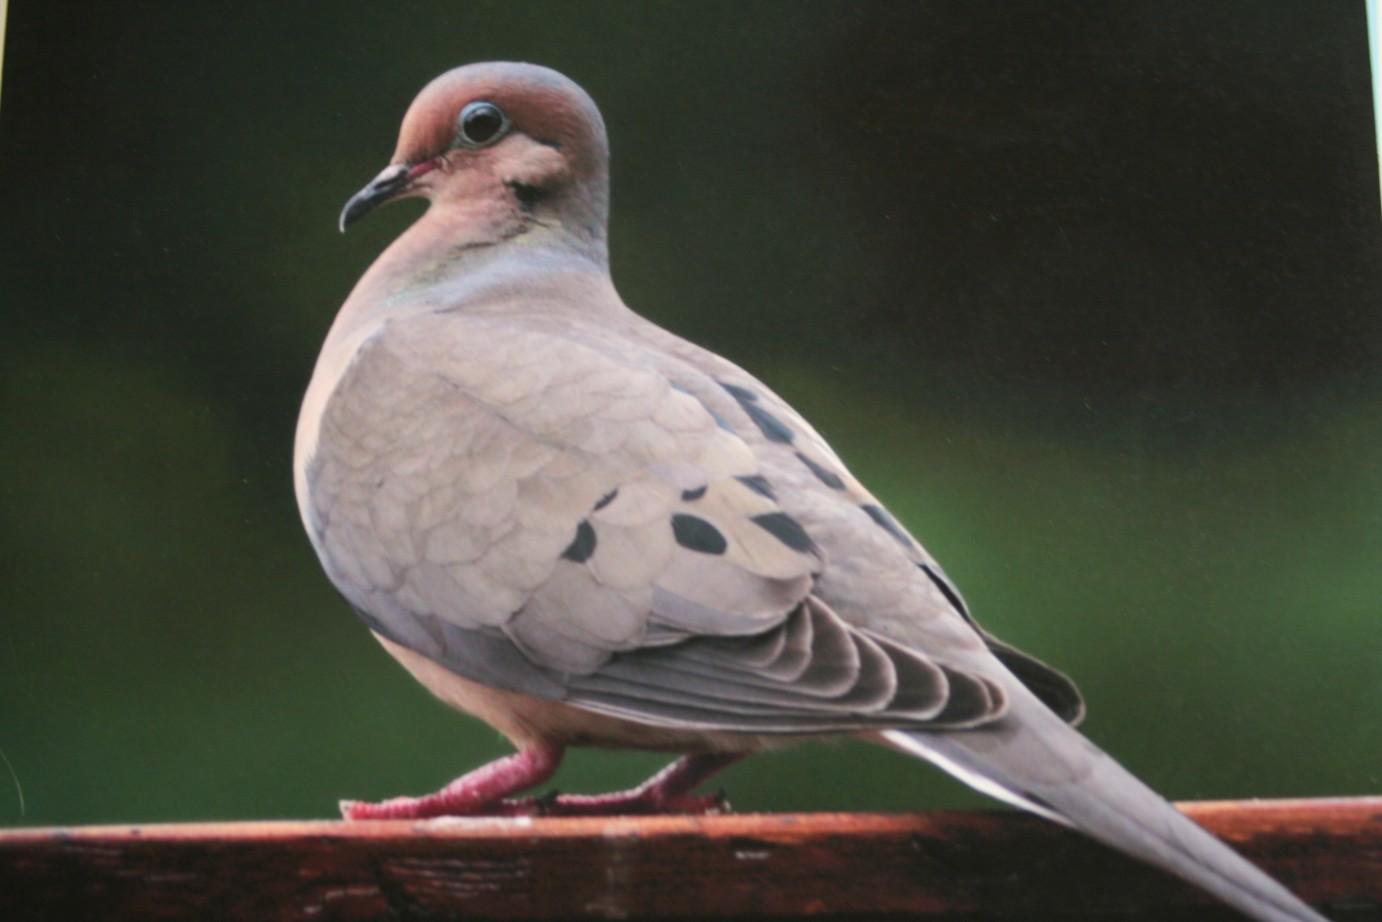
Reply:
x=585 y=530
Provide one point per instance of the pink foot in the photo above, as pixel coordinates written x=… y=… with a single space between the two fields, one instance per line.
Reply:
x=486 y=792
x=622 y=803
x=669 y=791
x=477 y=793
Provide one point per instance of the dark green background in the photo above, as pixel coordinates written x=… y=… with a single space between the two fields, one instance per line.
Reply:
x=1089 y=296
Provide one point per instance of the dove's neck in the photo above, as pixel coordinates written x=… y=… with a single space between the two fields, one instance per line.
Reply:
x=464 y=256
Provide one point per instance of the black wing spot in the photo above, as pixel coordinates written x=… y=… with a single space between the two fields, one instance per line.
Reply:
x=887 y=523
x=823 y=474
x=773 y=429
x=696 y=534
x=606 y=500
x=785 y=529
x=719 y=420
x=758 y=484
x=582 y=546
x=946 y=590
x=741 y=394
x=690 y=496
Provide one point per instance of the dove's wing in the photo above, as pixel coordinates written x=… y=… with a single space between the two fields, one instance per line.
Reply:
x=879 y=575
x=542 y=507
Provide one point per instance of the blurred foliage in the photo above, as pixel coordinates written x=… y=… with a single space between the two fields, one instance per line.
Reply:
x=1090 y=296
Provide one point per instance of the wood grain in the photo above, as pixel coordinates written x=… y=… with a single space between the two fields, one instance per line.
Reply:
x=979 y=865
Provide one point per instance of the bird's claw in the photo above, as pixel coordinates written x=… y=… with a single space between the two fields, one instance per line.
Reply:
x=538 y=805
x=716 y=804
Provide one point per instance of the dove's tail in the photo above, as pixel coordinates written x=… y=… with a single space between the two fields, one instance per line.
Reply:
x=1039 y=763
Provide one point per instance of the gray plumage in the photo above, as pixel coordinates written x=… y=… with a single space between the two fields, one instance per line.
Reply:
x=508 y=472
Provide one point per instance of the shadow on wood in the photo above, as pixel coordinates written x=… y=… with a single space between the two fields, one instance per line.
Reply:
x=978 y=865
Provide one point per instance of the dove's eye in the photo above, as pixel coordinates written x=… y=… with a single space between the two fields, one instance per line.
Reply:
x=480 y=123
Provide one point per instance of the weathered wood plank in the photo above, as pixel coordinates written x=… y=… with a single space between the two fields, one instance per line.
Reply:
x=961 y=864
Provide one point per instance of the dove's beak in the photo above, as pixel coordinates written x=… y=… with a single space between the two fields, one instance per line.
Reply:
x=391 y=182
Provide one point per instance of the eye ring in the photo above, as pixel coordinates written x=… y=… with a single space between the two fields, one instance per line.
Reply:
x=480 y=124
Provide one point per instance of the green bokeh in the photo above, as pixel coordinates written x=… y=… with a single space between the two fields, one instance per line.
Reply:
x=1091 y=300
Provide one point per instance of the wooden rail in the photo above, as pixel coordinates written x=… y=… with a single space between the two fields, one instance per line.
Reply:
x=974 y=865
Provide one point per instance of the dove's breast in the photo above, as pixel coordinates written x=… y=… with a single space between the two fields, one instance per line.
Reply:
x=331 y=366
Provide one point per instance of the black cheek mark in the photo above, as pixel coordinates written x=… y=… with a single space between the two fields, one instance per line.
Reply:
x=547 y=142
x=582 y=546
x=605 y=500
x=528 y=196
x=785 y=529
x=887 y=523
x=824 y=475
x=689 y=496
x=946 y=590
x=773 y=429
x=696 y=534
x=758 y=484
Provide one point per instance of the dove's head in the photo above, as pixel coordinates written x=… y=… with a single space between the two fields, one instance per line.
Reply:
x=509 y=144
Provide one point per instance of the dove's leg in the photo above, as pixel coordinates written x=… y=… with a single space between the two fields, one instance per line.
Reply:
x=669 y=791
x=477 y=793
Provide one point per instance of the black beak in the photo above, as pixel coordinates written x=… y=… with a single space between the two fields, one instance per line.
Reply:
x=391 y=181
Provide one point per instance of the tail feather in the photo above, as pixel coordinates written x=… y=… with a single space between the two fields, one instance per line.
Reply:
x=1033 y=760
